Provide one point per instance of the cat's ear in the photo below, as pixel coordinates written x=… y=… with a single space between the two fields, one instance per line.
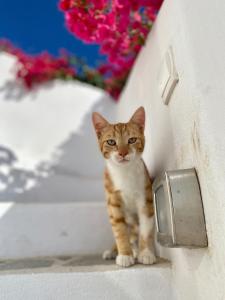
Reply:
x=139 y=117
x=99 y=123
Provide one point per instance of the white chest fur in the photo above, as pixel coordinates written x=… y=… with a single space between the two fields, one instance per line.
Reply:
x=130 y=180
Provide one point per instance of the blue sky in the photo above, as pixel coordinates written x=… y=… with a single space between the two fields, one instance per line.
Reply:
x=38 y=25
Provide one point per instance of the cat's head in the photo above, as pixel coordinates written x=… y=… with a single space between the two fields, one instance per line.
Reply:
x=121 y=143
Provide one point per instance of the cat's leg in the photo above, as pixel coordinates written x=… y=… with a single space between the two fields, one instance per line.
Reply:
x=134 y=242
x=110 y=254
x=146 y=250
x=120 y=230
x=133 y=233
x=146 y=230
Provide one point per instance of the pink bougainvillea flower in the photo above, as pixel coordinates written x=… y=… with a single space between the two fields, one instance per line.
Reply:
x=119 y=27
x=36 y=69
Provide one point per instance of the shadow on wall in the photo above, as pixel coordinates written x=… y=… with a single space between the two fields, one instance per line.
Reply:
x=74 y=170
x=11 y=91
x=49 y=157
x=70 y=175
x=11 y=178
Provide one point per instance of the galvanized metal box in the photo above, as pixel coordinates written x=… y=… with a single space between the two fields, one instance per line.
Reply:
x=178 y=209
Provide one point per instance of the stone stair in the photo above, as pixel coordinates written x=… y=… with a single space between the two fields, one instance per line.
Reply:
x=83 y=278
x=46 y=229
x=52 y=200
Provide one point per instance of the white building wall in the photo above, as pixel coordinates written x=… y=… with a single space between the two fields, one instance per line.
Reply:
x=190 y=131
x=51 y=188
x=48 y=147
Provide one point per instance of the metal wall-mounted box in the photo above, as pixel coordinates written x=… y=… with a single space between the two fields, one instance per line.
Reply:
x=178 y=209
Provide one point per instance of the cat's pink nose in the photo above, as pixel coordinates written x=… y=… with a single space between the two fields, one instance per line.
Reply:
x=123 y=152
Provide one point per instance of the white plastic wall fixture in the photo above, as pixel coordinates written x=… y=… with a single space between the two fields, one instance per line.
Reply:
x=168 y=76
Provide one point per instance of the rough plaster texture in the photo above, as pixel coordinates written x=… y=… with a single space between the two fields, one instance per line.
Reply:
x=189 y=132
x=98 y=282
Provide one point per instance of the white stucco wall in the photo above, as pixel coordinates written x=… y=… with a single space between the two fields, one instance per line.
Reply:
x=51 y=188
x=48 y=147
x=190 y=131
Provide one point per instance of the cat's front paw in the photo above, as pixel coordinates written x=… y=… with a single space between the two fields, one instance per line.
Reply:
x=146 y=257
x=109 y=254
x=125 y=260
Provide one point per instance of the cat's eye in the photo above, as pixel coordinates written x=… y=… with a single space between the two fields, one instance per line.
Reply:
x=132 y=140
x=111 y=142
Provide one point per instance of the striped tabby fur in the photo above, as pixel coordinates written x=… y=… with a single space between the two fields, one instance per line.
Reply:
x=128 y=189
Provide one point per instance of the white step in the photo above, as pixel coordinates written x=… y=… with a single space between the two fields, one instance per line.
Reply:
x=83 y=278
x=47 y=229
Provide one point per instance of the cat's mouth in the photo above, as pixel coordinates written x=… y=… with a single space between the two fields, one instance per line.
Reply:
x=123 y=160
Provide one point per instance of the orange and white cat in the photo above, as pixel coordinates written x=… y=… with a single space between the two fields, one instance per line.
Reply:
x=128 y=189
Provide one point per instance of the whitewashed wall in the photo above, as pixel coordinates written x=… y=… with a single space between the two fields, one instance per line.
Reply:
x=190 y=131
x=47 y=143
x=51 y=189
